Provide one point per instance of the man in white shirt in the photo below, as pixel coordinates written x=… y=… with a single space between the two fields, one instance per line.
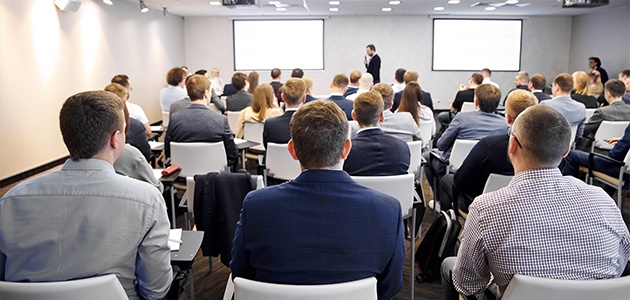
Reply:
x=365 y=84
x=176 y=79
x=135 y=110
x=399 y=80
x=486 y=73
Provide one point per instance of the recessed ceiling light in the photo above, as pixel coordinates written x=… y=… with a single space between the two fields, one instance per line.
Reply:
x=438 y=8
x=274 y=2
x=490 y=8
x=215 y=3
x=453 y=1
x=511 y=1
x=281 y=9
x=333 y=9
x=334 y=2
x=386 y=9
x=108 y=2
x=394 y=2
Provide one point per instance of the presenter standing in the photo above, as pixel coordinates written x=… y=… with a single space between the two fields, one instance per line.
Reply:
x=373 y=63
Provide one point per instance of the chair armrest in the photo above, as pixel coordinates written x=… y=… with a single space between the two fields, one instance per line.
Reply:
x=591 y=158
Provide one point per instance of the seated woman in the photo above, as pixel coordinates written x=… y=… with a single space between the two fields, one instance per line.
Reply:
x=580 y=90
x=261 y=109
x=411 y=102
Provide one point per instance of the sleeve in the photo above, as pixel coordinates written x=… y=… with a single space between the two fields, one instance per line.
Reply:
x=228 y=141
x=471 y=273
x=153 y=262
x=390 y=281
x=265 y=135
x=449 y=136
x=620 y=149
x=217 y=102
x=145 y=173
x=240 y=125
x=457 y=102
x=167 y=144
x=580 y=128
x=240 y=257
x=593 y=123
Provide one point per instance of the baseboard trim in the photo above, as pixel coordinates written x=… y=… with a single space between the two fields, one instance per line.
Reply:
x=36 y=170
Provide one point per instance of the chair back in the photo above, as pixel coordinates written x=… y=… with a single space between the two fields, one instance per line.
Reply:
x=496 y=181
x=165 y=118
x=573 y=134
x=280 y=164
x=363 y=289
x=607 y=130
x=398 y=186
x=415 y=148
x=589 y=113
x=106 y=287
x=199 y=158
x=461 y=148
x=253 y=132
x=527 y=287
x=233 y=119
x=425 y=133
x=468 y=106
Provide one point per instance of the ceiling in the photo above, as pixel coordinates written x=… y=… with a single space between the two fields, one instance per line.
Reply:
x=319 y=8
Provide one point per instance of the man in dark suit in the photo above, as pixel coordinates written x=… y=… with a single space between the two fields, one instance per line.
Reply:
x=353 y=86
x=306 y=231
x=537 y=84
x=242 y=98
x=278 y=130
x=521 y=80
x=412 y=76
x=596 y=64
x=373 y=63
x=338 y=86
x=229 y=90
x=617 y=110
x=275 y=83
x=465 y=94
x=374 y=153
x=197 y=123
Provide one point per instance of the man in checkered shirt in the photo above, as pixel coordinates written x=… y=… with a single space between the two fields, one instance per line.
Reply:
x=542 y=224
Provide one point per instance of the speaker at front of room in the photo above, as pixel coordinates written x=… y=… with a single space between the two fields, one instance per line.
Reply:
x=68 y=5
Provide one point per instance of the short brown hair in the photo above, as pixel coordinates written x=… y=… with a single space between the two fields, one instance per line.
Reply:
x=117 y=89
x=175 y=76
x=410 y=76
x=87 y=121
x=293 y=91
x=371 y=47
x=544 y=134
x=538 y=81
x=196 y=86
x=517 y=101
x=355 y=76
x=238 y=80
x=564 y=81
x=319 y=130
x=477 y=78
x=341 y=81
x=387 y=93
x=488 y=97
x=368 y=108
x=121 y=79
x=275 y=73
x=297 y=73
x=615 y=87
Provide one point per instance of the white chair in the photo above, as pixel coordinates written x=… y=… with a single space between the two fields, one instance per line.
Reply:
x=524 y=287
x=589 y=113
x=280 y=164
x=253 y=132
x=415 y=165
x=460 y=150
x=468 y=106
x=607 y=130
x=400 y=187
x=165 y=118
x=363 y=289
x=573 y=134
x=616 y=182
x=106 y=287
x=496 y=181
x=425 y=134
x=233 y=119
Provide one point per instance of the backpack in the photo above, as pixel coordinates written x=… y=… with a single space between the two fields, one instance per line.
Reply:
x=438 y=243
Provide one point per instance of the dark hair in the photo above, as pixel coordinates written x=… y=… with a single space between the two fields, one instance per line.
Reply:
x=275 y=73
x=486 y=70
x=175 y=76
x=196 y=86
x=368 y=108
x=293 y=91
x=202 y=72
x=88 y=119
x=564 y=81
x=319 y=130
x=297 y=73
x=488 y=97
x=121 y=79
x=544 y=133
x=238 y=80
x=252 y=78
x=371 y=47
x=615 y=87
x=538 y=81
x=597 y=61
x=625 y=73
x=399 y=74
x=477 y=78
x=410 y=99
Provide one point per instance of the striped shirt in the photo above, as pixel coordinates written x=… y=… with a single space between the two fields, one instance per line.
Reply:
x=545 y=225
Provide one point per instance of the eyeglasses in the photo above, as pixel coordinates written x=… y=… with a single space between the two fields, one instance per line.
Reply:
x=515 y=138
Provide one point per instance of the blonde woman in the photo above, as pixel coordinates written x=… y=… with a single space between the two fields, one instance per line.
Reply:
x=260 y=110
x=580 y=88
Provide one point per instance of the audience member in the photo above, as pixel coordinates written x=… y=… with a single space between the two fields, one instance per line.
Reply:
x=574 y=111
x=372 y=63
x=521 y=80
x=278 y=130
x=467 y=94
x=242 y=98
x=365 y=84
x=537 y=85
x=276 y=83
x=320 y=243
x=176 y=78
x=399 y=81
x=85 y=220
x=412 y=96
x=185 y=68
x=216 y=82
x=261 y=109
x=197 y=123
x=184 y=103
x=596 y=64
x=400 y=124
x=373 y=152
x=353 y=86
x=412 y=76
x=297 y=73
x=309 y=90
x=617 y=110
x=595 y=87
x=625 y=77
x=580 y=90
x=135 y=110
x=252 y=79
x=487 y=77
x=338 y=86
x=229 y=89
x=544 y=212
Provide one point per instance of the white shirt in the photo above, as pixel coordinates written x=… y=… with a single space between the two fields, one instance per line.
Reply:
x=489 y=81
x=355 y=95
x=136 y=112
x=397 y=87
x=217 y=85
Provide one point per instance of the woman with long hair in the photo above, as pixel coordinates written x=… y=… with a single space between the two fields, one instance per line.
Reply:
x=580 y=88
x=260 y=110
x=252 y=78
x=411 y=102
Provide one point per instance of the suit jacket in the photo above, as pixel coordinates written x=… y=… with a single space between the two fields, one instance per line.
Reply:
x=351 y=90
x=184 y=103
x=401 y=125
x=574 y=111
x=374 y=67
x=198 y=123
x=518 y=87
x=463 y=96
x=346 y=105
x=278 y=130
x=320 y=228
x=375 y=153
x=588 y=101
x=626 y=98
x=426 y=100
x=276 y=85
x=229 y=90
x=541 y=96
x=603 y=75
x=309 y=98
x=470 y=125
x=137 y=137
x=616 y=111
x=239 y=101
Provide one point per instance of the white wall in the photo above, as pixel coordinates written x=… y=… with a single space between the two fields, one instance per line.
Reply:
x=401 y=41
x=48 y=55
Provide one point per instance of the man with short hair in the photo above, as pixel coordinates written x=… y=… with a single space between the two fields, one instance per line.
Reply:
x=399 y=81
x=85 y=220
x=135 y=111
x=531 y=226
x=242 y=98
x=624 y=76
x=297 y=73
x=197 y=123
x=365 y=84
x=408 y=77
x=278 y=130
x=574 y=111
x=617 y=110
x=372 y=63
x=276 y=77
x=176 y=78
x=536 y=85
x=487 y=77
x=400 y=124
x=465 y=94
x=338 y=86
x=309 y=90
x=353 y=86
x=596 y=64
x=216 y=82
x=373 y=152
x=184 y=103
x=320 y=242
x=521 y=80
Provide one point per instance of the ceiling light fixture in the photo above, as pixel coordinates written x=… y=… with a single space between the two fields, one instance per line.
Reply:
x=334 y=2
x=143 y=7
x=490 y=8
x=386 y=9
x=438 y=8
x=394 y=2
x=281 y=9
x=108 y=2
x=511 y=1
x=333 y=9
x=215 y=3
x=453 y=1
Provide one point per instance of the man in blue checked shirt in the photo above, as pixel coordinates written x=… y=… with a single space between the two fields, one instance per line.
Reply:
x=542 y=224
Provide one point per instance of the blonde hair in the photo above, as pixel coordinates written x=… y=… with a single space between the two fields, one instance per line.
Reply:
x=519 y=100
x=580 y=82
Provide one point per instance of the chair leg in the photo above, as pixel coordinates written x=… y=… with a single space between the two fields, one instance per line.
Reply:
x=413 y=249
x=173 y=221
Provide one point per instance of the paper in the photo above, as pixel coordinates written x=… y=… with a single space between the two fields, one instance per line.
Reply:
x=175 y=239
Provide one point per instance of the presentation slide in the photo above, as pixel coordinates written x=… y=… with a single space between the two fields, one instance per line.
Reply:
x=474 y=44
x=285 y=44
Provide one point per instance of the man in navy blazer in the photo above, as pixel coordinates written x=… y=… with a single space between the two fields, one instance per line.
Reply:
x=278 y=130
x=374 y=153
x=322 y=227
x=338 y=86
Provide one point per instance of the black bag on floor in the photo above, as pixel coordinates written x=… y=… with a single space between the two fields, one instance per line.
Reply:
x=438 y=244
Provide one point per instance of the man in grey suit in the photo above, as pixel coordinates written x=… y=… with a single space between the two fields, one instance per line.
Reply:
x=617 y=110
x=574 y=111
x=242 y=98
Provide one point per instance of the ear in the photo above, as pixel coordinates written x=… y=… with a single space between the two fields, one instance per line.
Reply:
x=206 y=94
x=346 y=149
x=352 y=114
x=567 y=152
x=509 y=119
x=476 y=102
x=512 y=146
x=291 y=148
x=115 y=141
x=381 y=118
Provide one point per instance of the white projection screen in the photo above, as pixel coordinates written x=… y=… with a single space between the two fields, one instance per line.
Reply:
x=474 y=44
x=261 y=44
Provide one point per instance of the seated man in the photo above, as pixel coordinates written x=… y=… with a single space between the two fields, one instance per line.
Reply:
x=521 y=82
x=401 y=124
x=176 y=79
x=465 y=94
x=617 y=110
x=542 y=224
x=488 y=156
x=278 y=130
x=241 y=99
x=197 y=123
x=374 y=153
x=536 y=85
x=573 y=111
x=85 y=220
x=338 y=86
x=322 y=227
x=135 y=110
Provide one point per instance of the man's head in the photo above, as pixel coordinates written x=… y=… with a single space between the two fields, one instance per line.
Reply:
x=122 y=79
x=411 y=76
x=370 y=49
x=91 y=123
x=214 y=73
x=475 y=80
x=387 y=93
x=176 y=76
x=537 y=82
x=294 y=92
x=486 y=73
x=339 y=83
x=614 y=90
x=517 y=101
x=354 y=78
x=625 y=77
x=521 y=78
x=297 y=73
x=540 y=138
x=239 y=80
x=399 y=75
x=275 y=74
x=309 y=85
x=203 y=72
x=562 y=85
x=366 y=81
x=198 y=87
x=368 y=109
x=487 y=97
x=319 y=135
x=118 y=90
x=594 y=62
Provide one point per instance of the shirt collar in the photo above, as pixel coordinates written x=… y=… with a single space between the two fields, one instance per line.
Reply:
x=368 y=128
